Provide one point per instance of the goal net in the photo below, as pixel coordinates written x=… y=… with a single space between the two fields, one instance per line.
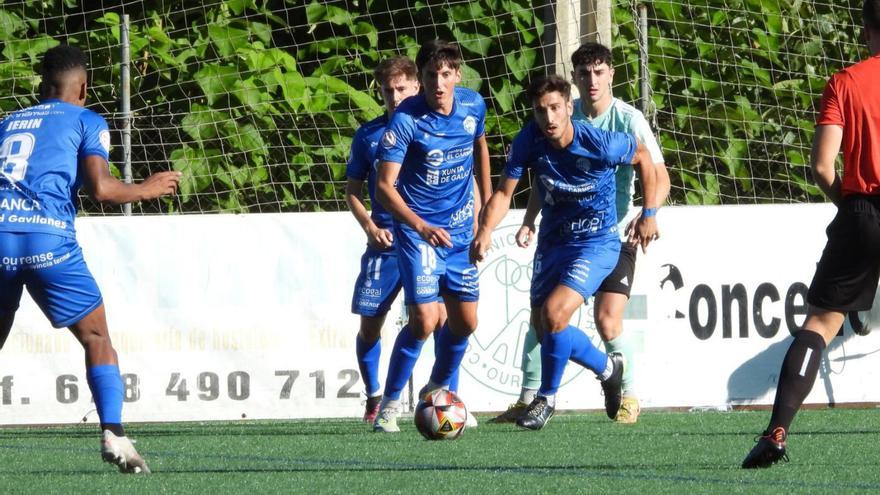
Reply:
x=256 y=102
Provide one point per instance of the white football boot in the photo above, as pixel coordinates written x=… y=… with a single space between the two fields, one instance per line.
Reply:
x=121 y=452
x=386 y=420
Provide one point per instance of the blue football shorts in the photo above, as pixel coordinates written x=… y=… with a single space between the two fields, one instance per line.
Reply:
x=377 y=284
x=428 y=271
x=54 y=272
x=581 y=266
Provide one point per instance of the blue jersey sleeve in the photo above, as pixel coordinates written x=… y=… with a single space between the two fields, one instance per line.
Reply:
x=519 y=155
x=95 y=136
x=396 y=138
x=358 y=166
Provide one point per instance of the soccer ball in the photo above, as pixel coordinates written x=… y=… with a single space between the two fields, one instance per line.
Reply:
x=441 y=415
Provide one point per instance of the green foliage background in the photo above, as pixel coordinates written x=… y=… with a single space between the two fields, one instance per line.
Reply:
x=256 y=101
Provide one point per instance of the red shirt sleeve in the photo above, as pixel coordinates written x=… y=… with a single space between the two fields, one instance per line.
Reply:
x=830 y=112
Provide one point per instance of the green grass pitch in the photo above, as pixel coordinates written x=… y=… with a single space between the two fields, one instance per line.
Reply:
x=831 y=451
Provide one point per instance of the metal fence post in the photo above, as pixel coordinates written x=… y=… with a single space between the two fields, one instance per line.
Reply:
x=125 y=104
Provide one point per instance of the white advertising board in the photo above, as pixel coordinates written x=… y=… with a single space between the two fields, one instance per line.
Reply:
x=248 y=316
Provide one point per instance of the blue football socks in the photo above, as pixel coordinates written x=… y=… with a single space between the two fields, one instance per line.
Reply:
x=105 y=382
x=555 y=352
x=453 y=380
x=403 y=359
x=584 y=353
x=368 y=362
x=450 y=351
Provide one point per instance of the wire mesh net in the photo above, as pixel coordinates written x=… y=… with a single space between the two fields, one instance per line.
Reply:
x=257 y=102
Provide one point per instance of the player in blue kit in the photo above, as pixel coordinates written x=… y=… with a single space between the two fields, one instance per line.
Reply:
x=46 y=152
x=592 y=75
x=578 y=244
x=378 y=283
x=429 y=151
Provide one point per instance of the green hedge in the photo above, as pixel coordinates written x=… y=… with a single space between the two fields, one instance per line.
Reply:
x=256 y=101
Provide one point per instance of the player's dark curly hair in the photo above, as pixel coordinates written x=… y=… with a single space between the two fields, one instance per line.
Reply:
x=591 y=54
x=437 y=53
x=393 y=67
x=871 y=14
x=57 y=61
x=548 y=84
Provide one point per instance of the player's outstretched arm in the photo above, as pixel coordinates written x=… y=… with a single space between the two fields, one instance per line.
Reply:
x=376 y=237
x=664 y=185
x=826 y=146
x=387 y=194
x=478 y=205
x=103 y=187
x=496 y=208
x=527 y=231
x=646 y=225
x=483 y=170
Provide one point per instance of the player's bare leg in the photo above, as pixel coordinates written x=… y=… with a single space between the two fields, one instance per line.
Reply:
x=368 y=336
x=608 y=312
x=105 y=382
x=796 y=378
x=93 y=334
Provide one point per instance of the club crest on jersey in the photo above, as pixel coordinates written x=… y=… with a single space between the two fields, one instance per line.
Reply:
x=104 y=137
x=470 y=124
x=434 y=158
x=388 y=139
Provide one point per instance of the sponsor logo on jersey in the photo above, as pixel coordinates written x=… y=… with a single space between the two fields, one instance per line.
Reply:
x=463 y=214
x=104 y=137
x=470 y=124
x=389 y=139
x=459 y=153
x=19 y=204
x=433 y=177
x=434 y=158
x=585 y=225
x=370 y=291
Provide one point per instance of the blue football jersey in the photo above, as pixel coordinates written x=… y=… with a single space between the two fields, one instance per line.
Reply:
x=40 y=149
x=577 y=183
x=362 y=165
x=436 y=153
